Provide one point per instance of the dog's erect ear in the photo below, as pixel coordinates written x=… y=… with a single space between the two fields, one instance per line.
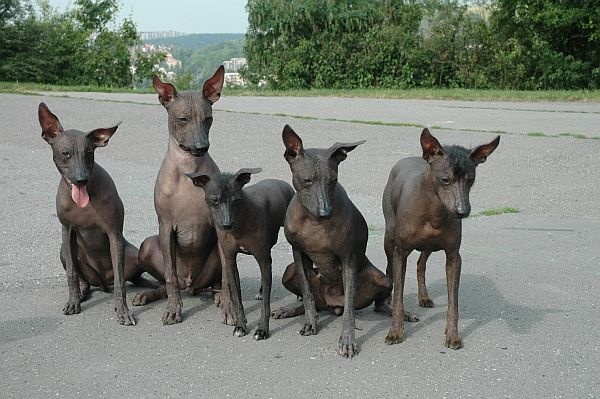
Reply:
x=49 y=123
x=100 y=137
x=199 y=179
x=431 y=146
x=479 y=154
x=166 y=91
x=242 y=176
x=339 y=151
x=293 y=144
x=213 y=86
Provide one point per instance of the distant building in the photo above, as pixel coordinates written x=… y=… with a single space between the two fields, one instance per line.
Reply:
x=235 y=64
x=160 y=35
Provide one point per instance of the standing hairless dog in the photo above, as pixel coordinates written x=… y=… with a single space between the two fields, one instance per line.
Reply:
x=93 y=249
x=248 y=221
x=185 y=251
x=325 y=228
x=424 y=202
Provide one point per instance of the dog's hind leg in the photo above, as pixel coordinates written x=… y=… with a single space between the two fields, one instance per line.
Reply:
x=425 y=300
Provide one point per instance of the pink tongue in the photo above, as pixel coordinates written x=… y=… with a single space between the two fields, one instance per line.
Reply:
x=80 y=195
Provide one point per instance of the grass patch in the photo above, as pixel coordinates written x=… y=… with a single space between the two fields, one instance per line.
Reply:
x=575 y=135
x=537 y=134
x=32 y=88
x=497 y=211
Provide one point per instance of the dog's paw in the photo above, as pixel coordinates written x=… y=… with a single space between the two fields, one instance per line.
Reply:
x=260 y=334
x=411 y=317
x=239 y=331
x=258 y=296
x=139 y=299
x=348 y=346
x=453 y=341
x=125 y=316
x=228 y=318
x=394 y=336
x=426 y=302
x=72 y=307
x=172 y=315
x=308 y=329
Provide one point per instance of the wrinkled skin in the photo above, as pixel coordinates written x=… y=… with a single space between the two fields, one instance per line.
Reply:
x=424 y=202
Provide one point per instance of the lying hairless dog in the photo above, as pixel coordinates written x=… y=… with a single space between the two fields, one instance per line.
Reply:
x=185 y=252
x=93 y=251
x=424 y=202
x=325 y=228
x=248 y=221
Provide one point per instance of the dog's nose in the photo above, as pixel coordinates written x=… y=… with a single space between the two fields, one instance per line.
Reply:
x=325 y=212
x=227 y=225
x=81 y=182
x=462 y=213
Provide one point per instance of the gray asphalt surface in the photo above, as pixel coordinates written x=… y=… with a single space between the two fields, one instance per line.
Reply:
x=529 y=292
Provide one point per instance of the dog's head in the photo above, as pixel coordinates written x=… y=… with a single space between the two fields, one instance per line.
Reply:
x=190 y=113
x=73 y=151
x=452 y=171
x=314 y=171
x=223 y=193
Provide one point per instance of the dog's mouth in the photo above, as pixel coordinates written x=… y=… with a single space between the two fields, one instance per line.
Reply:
x=194 y=151
x=79 y=194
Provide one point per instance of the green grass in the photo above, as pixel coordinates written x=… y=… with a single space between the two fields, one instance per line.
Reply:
x=538 y=134
x=579 y=136
x=437 y=94
x=497 y=211
x=576 y=135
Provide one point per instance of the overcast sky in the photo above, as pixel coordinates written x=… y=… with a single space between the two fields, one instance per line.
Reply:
x=187 y=16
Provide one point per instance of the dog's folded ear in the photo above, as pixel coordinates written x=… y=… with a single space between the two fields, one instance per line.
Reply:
x=100 y=137
x=431 y=146
x=479 y=154
x=166 y=91
x=199 y=179
x=242 y=176
x=49 y=123
x=339 y=151
x=213 y=86
x=293 y=144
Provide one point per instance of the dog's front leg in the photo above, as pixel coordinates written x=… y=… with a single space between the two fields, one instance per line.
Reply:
x=168 y=244
x=396 y=333
x=453 y=266
x=117 y=253
x=266 y=278
x=69 y=244
x=348 y=346
x=303 y=266
x=228 y=262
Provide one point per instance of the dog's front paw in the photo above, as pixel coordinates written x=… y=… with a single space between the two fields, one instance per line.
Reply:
x=240 y=331
x=260 y=334
x=72 y=306
x=426 y=302
x=124 y=315
x=453 y=341
x=172 y=314
x=258 y=296
x=139 y=299
x=227 y=313
x=308 y=329
x=348 y=346
x=394 y=336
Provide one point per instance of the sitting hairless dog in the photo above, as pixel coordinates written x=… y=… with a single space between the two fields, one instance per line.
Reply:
x=93 y=251
x=185 y=251
x=248 y=221
x=325 y=228
x=424 y=202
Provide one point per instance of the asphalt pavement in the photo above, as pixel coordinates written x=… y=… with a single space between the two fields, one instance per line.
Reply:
x=529 y=292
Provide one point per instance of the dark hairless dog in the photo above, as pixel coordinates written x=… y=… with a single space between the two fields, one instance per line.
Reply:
x=248 y=221
x=424 y=202
x=185 y=251
x=93 y=249
x=325 y=228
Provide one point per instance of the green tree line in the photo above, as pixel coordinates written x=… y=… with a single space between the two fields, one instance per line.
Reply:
x=81 y=46
x=507 y=44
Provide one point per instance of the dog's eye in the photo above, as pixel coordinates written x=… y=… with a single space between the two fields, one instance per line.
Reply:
x=445 y=180
x=183 y=119
x=66 y=154
x=214 y=200
x=307 y=182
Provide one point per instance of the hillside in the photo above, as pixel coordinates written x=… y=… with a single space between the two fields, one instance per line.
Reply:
x=196 y=41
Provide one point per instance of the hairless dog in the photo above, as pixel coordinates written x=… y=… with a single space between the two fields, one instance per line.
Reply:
x=325 y=228
x=185 y=251
x=424 y=202
x=93 y=249
x=248 y=221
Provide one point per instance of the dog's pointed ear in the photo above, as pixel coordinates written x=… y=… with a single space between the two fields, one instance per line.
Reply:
x=100 y=137
x=293 y=144
x=339 y=151
x=199 y=179
x=431 y=146
x=213 y=86
x=242 y=176
x=479 y=154
x=49 y=123
x=166 y=91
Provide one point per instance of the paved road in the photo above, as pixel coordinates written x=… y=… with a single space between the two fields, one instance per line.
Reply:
x=529 y=292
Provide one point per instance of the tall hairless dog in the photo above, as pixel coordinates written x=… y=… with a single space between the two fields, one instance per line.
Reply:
x=424 y=202
x=93 y=249
x=185 y=251
x=248 y=221
x=325 y=228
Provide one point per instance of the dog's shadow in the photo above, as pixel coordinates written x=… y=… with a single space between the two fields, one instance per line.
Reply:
x=480 y=302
